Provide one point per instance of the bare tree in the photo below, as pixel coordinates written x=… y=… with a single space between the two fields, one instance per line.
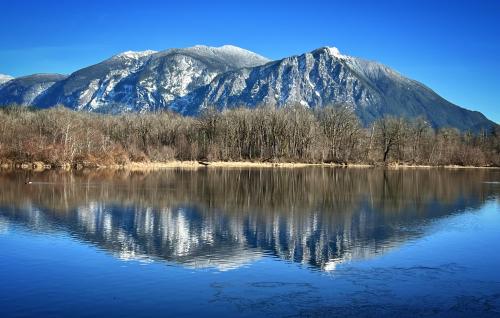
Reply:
x=294 y=133
x=389 y=133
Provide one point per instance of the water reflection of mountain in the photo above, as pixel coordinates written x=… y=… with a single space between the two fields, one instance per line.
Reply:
x=225 y=218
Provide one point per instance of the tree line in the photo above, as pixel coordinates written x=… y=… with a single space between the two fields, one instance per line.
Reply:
x=332 y=134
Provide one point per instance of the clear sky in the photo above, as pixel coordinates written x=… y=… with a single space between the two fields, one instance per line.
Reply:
x=451 y=46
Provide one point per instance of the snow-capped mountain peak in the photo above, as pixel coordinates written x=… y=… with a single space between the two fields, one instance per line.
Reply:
x=335 y=52
x=233 y=55
x=227 y=49
x=135 y=54
x=238 y=51
x=5 y=78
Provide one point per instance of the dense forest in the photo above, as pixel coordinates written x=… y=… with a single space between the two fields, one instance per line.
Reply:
x=334 y=134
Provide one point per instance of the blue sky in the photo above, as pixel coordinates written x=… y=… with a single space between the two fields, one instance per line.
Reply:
x=451 y=46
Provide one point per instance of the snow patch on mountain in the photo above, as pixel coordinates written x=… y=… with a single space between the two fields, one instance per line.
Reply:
x=335 y=52
x=135 y=54
x=5 y=78
x=233 y=54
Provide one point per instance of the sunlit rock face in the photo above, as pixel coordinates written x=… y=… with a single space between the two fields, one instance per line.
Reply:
x=227 y=219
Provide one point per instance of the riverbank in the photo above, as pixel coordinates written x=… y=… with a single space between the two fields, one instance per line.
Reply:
x=139 y=166
x=224 y=164
x=148 y=166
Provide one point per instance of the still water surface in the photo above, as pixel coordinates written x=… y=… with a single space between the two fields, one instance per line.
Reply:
x=313 y=242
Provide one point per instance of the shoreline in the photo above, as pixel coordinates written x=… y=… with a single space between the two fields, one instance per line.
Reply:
x=138 y=166
x=151 y=166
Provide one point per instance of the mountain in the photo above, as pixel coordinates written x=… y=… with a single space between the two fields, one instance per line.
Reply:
x=149 y=80
x=191 y=79
x=325 y=77
x=25 y=90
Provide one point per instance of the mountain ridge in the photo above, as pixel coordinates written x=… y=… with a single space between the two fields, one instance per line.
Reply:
x=191 y=79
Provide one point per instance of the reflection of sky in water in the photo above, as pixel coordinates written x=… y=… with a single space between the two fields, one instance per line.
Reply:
x=371 y=251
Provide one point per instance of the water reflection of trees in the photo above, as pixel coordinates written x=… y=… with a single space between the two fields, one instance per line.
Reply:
x=227 y=217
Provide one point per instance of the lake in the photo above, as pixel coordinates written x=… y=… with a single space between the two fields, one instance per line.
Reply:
x=304 y=242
